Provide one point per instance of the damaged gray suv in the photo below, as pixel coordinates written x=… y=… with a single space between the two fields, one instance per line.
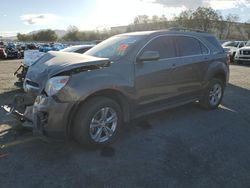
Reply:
x=91 y=96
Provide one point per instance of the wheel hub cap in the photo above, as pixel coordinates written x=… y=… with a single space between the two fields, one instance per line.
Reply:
x=103 y=124
x=215 y=94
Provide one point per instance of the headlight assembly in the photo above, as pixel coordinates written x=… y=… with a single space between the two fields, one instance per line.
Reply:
x=55 y=84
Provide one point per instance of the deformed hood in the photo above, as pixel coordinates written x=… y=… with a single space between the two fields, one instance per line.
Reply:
x=54 y=63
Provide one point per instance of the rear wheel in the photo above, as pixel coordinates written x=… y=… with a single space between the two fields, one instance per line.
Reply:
x=98 y=122
x=213 y=94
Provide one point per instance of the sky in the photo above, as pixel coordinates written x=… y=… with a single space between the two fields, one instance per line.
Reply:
x=28 y=15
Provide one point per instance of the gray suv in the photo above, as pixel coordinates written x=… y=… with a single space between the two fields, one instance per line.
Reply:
x=91 y=96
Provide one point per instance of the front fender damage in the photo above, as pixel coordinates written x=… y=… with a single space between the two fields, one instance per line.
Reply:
x=43 y=114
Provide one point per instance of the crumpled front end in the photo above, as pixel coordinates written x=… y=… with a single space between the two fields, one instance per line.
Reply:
x=45 y=116
x=41 y=108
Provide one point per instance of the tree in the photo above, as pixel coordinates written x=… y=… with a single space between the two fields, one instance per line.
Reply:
x=45 y=35
x=141 y=19
x=231 y=19
x=185 y=19
x=72 y=34
x=23 y=37
x=163 y=18
x=221 y=27
x=205 y=18
x=155 y=19
x=247 y=29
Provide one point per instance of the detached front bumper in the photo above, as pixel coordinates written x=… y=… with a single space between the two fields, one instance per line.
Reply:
x=45 y=116
x=50 y=116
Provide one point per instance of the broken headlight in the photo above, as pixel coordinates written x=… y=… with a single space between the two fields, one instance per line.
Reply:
x=55 y=84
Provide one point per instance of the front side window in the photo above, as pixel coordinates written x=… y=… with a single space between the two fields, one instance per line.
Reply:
x=164 y=45
x=189 y=46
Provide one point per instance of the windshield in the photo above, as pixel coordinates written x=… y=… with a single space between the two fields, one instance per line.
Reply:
x=114 y=47
x=248 y=43
x=77 y=48
x=234 y=44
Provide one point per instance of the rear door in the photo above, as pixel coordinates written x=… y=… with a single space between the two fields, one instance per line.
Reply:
x=154 y=79
x=191 y=65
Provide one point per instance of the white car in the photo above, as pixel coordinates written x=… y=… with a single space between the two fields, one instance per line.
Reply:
x=232 y=46
x=243 y=54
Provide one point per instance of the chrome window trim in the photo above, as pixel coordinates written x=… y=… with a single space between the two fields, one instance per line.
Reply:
x=209 y=51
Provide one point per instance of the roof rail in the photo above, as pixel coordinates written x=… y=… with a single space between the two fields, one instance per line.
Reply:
x=185 y=29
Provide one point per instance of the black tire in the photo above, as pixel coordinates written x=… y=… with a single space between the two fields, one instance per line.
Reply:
x=206 y=100
x=84 y=116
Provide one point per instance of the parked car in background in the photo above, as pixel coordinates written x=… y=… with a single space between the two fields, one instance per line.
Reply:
x=57 y=46
x=30 y=57
x=89 y=96
x=51 y=47
x=2 y=44
x=45 y=48
x=78 y=48
x=232 y=46
x=243 y=54
x=20 y=73
x=11 y=45
x=13 y=53
x=31 y=46
x=3 y=54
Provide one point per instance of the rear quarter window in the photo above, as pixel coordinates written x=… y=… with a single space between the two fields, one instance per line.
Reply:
x=188 y=46
x=214 y=44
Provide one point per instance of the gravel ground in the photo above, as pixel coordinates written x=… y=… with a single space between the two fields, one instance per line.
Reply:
x=183 y=147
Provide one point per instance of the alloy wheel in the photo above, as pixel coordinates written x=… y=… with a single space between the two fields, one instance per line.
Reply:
x=103 y=124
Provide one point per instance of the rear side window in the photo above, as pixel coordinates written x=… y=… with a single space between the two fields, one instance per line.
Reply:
x=204 y=49
x=164 y=45
x=189 y=46
x=214 y=44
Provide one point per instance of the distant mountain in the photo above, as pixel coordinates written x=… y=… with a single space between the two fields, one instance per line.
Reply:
x=60 y=33
x=11 y=38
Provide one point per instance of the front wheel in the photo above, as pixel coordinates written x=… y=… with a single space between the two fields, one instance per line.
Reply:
x=213 y=94
x=98 y=122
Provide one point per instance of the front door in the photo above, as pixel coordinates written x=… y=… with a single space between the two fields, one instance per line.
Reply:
x=154 y=79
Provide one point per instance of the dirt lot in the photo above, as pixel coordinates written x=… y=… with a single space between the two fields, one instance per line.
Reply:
x=182 y=147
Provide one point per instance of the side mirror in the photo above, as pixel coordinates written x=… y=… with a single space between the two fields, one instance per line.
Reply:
x=148 y=56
